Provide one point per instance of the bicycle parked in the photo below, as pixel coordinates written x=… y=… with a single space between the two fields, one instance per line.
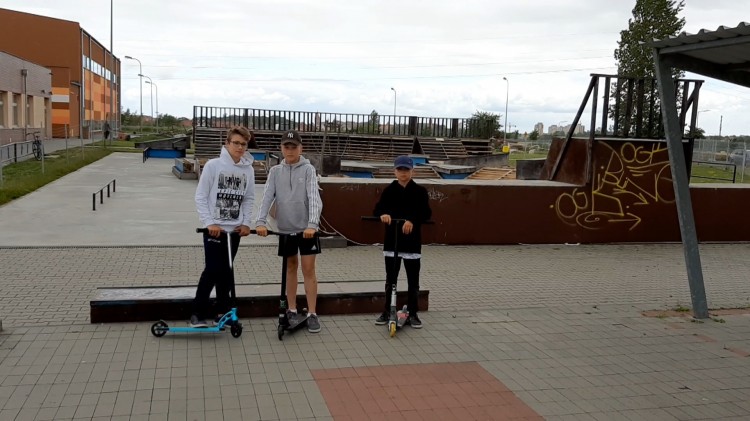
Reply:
x=36 y=146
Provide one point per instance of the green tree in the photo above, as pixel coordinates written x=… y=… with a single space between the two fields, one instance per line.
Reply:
x=483 y=125
x=372 y=126
x=534 y=135
x=696 y=133
x=167 y=120
x=127 y=118
x=652 y=19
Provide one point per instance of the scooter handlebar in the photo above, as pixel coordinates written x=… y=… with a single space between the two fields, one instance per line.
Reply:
x=377 y=218
x=205 y=230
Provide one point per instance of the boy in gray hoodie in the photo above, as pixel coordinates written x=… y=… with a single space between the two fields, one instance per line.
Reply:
x=224 y=200
x=294 y=186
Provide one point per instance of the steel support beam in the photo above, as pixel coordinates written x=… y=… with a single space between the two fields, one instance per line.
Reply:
x=673 y=132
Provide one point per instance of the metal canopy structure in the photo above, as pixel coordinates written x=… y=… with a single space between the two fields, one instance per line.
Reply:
x=722 y=54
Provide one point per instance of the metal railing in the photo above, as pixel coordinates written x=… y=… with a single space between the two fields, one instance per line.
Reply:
x=112 y=183
x=342 y=123
x=715 y=164
x=628 y=108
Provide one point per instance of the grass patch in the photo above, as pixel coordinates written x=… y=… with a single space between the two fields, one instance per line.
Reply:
x=715 y=174
x=682 y=309
x=22 y=178
x=515 y=156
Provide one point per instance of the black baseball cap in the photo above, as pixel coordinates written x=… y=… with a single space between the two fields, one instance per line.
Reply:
x=291 y=136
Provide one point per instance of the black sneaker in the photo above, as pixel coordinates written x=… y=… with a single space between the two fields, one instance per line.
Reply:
x=197 y=322
x=383 y=319
x=414 y=322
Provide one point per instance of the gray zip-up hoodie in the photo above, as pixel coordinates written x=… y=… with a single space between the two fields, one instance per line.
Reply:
x=295 y=189
x=226 y=192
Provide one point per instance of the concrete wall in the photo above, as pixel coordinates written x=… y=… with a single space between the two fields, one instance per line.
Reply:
x=631 y=199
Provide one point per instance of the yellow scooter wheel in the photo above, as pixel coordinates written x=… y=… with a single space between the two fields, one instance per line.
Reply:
x=392 y=329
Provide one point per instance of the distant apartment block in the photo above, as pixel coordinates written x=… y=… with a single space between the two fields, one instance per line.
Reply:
x=539 y=128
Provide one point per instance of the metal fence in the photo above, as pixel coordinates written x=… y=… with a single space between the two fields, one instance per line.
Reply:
x=371 y=124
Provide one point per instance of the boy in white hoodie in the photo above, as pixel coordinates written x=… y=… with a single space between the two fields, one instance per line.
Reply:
x=224 y=199
x=294 y=186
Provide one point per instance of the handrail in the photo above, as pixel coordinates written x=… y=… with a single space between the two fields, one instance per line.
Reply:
x=112 y=183
x=145 y=153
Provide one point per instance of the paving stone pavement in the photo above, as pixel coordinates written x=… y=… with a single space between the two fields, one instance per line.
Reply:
x=559 y=325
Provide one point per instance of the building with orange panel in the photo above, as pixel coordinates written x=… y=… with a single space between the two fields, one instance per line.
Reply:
x=84 y=72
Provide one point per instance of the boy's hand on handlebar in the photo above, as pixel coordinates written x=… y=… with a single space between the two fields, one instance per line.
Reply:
x=309 y=233
x=244 y=230
x=261 y=230
x=214 y=230
x=385 y=218
x=408 y=226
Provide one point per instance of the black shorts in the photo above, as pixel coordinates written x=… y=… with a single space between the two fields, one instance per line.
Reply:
x=290 y=244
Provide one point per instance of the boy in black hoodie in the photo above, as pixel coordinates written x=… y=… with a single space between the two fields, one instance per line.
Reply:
x=403 y=199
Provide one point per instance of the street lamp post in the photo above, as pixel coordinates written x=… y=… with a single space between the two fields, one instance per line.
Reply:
x=140 y=85
x=702 y=142
x=505 y=126
x=157 y=101
x=151 y=97
x=394 y=103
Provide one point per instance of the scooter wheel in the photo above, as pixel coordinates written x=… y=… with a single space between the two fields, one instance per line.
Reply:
x=280 y=331
x=159 y=328
x=236 y=330
x=392 y=329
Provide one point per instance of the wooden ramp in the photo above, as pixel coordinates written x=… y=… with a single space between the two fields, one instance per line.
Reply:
x=488 y=173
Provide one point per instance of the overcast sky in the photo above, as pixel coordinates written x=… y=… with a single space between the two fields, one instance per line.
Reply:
x=443 y=58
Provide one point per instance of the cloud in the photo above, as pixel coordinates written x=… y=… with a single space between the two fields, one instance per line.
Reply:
x=445 y=58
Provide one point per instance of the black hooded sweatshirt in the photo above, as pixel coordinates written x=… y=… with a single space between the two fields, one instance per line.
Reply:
x=410 y=203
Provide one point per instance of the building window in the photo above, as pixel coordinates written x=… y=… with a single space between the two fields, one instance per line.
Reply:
x=29 y=111
x=16 y=116
x=2 y=109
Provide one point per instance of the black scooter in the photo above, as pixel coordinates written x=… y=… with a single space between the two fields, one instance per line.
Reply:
x=301 y=320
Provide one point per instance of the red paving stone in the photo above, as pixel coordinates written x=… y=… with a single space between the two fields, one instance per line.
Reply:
x=460 y=391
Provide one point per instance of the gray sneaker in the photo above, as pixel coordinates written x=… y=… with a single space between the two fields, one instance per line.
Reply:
x=313 y=324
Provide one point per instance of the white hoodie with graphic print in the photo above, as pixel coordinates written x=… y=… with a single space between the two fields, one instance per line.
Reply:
x=226 y=191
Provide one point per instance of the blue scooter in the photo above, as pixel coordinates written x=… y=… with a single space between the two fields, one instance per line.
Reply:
x=230 y=318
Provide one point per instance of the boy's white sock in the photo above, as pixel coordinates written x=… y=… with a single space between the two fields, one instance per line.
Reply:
x=293 y=310
x=313 y=314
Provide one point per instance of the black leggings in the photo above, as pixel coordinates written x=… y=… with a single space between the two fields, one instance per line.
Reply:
x=216 y=274
x=392 y=267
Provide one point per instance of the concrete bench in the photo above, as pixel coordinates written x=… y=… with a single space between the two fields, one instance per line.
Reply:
x=139 y=304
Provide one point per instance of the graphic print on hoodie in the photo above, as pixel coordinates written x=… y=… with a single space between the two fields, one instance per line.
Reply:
x=231 y=191
x=225 y=192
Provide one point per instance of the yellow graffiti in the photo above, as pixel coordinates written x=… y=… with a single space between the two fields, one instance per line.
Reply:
x=631 y=177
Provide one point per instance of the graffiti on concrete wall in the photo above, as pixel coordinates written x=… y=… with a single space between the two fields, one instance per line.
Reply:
x=624 y=184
